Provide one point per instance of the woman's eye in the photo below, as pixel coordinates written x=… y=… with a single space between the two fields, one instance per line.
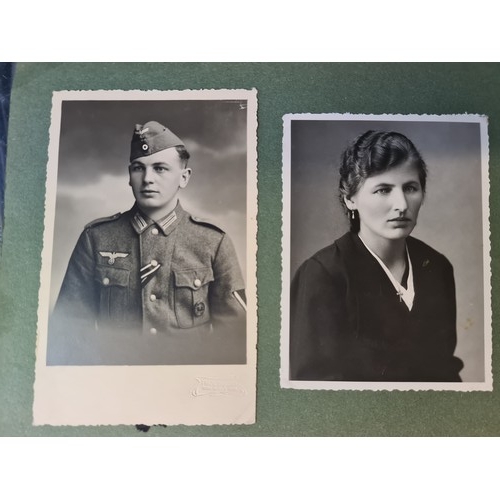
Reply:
x=411 y=189
x=383 y=191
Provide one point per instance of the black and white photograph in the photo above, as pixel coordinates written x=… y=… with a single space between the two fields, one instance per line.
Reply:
x=386 y=264
x=149 y=256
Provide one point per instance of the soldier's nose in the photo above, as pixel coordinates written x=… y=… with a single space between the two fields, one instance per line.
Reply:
x=147 y=177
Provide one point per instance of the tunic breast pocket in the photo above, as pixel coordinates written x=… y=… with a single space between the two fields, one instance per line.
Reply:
x=191 y=296
x=113 y=284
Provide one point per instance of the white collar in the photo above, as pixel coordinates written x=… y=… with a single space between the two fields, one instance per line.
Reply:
x=405 y=294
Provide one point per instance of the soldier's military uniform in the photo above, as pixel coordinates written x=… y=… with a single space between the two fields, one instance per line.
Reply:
x=144 y=292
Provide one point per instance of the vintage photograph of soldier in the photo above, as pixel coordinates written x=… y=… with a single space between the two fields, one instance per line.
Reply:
x=148 y=295
x=383 y=290
x=155 y=277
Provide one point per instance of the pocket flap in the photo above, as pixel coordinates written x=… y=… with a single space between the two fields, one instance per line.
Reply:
x=193 y=278
x=112 y=276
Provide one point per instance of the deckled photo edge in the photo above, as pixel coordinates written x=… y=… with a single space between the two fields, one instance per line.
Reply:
x=285 y=256
x=48 y=233
x=247 y=417
x=487 y=271
x=285 y=381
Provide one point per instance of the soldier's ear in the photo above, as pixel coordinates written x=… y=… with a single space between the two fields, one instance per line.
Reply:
x=185 y=176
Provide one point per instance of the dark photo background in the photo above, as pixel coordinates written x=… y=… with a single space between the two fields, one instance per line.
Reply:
x=450 y=219
x=94 y=150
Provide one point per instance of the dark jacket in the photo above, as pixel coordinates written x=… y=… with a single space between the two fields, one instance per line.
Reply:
x=137 y=291
x=348 y=323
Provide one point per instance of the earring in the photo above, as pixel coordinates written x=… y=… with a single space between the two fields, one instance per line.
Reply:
x=353 y=216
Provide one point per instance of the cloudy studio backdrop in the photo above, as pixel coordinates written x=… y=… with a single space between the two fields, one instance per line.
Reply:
x=94 y=150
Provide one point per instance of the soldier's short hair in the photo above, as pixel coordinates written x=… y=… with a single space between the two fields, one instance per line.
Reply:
x=183 y=154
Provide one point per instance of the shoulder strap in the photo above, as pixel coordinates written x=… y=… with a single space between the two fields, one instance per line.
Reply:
x=102 y=220
x=207 y=223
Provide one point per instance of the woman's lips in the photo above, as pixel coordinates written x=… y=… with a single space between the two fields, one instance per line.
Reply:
x=400 y=219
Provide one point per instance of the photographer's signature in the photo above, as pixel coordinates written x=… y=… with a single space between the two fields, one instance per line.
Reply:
x=208 y=386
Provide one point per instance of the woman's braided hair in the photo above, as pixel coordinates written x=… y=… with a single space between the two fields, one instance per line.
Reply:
x=372 y=153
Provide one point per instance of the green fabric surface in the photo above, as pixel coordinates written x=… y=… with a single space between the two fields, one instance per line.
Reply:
x=282 y=88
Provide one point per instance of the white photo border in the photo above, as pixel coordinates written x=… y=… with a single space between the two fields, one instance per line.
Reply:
x=161 y=394
x=285 y=381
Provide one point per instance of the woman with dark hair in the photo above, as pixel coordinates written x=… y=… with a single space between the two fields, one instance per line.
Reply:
x=377 y=304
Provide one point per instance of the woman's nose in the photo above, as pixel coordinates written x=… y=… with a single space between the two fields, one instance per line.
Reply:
x=400 y=202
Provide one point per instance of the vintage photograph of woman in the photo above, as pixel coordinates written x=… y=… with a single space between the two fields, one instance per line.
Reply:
x=378 y=303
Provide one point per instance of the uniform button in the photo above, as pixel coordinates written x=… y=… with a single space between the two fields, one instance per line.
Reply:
x=152 y=297
x=154 y=263
x=153 y=331
x=105 y=281
x=197 y=283
x=145 y=147
x=154 y=231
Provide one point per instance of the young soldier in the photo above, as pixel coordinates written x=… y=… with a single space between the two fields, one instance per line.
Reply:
x=153 y=285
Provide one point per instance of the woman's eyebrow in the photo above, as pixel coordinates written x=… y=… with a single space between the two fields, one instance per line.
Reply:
x=383 y=184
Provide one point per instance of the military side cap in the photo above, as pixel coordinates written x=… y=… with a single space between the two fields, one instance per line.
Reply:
x=151 y=138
